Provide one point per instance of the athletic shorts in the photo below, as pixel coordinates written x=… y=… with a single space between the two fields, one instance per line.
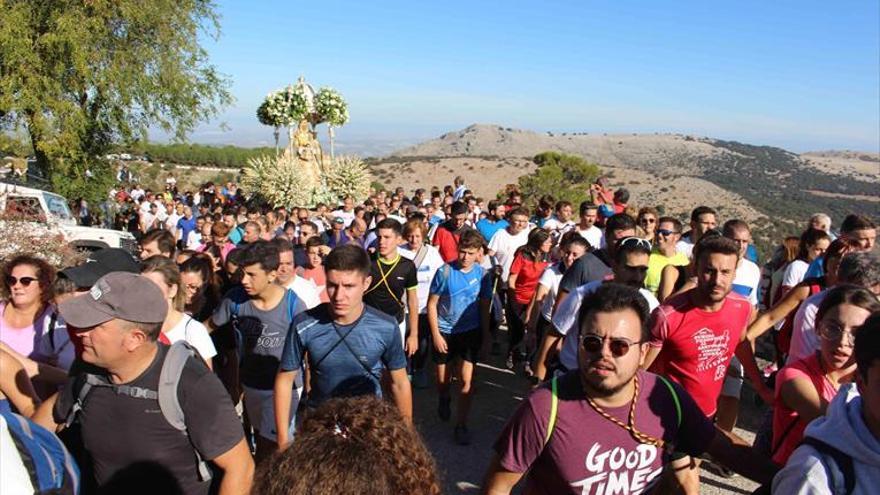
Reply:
x=733 y=381
x=260 y=408
x=465 y=345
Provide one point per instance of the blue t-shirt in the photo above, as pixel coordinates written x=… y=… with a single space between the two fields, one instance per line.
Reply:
x=816 y=268
x=458 y=309
x=487 y=228
x=186 y=226
x=339 y=368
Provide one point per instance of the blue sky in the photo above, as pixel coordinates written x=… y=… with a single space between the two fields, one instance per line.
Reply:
x=803 y=75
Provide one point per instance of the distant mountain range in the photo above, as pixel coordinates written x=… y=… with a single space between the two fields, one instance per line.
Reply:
x=782 y=188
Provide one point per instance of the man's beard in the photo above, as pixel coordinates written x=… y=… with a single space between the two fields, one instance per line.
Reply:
x=602 y=390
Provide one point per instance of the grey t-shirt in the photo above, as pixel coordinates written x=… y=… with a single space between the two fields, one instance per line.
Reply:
x=587 y=268
x=260 y=334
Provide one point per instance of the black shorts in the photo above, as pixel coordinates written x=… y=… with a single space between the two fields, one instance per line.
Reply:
x=465 y=345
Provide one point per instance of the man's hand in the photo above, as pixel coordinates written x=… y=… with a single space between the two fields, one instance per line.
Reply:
x=412 y=345
x=440 y=343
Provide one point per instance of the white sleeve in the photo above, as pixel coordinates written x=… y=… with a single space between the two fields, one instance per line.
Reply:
x=547 y=278
x=566 y=314
x=794 y=274
x=803 y=474
x=197 y=336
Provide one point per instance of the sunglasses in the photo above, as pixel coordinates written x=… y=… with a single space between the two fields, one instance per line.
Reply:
x=665 y=232
x=642 y=243
x=648 y=220
x=836 y=333
x=619 y=346
x=25 y=281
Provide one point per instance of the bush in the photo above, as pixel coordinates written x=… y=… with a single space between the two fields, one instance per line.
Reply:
x=565 y=177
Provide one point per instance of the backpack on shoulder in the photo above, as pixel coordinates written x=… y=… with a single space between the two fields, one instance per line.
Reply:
x=49 y=467
x=169 y=380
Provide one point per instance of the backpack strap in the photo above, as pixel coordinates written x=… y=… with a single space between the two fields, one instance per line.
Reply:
x=837 y=464
x=420 y=256
x=554 y=409
x=81 y=388
x=169 y=380
x=674 y=397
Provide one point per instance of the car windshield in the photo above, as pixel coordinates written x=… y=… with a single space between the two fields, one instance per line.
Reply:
x=57 y=206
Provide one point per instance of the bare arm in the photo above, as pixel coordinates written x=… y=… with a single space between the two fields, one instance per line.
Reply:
x=800 y=394
x=778 y=312
x=35 y=370
x=498 y=480
x=284 y=382
x=745 y=351
x=402 y=393
x=560 y=296
x=738 y=455
x=43 y=415
x=238 y=470
x=16 y=386
x=434 y=325
x=412 y=341
x=548 y=344
x=668 y=278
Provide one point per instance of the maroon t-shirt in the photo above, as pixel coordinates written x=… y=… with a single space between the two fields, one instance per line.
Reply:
x=588 y=454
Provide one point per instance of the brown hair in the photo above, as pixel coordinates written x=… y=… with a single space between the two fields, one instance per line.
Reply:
x=351 y=445
x=416 y=224
x=219 y=229
x=171 y=273
x=45 y=275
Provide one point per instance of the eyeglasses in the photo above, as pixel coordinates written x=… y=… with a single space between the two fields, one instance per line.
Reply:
x=619 y=346
x=25 y=281
x=836 y=333
x=642 y=243
x=666 y=232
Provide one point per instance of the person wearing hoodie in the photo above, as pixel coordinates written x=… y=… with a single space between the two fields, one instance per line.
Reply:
x=841 y=451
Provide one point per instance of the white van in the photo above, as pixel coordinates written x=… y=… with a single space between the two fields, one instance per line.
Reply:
x=51 y=209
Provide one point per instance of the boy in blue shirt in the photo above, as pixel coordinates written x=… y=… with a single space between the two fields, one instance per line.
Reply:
x=458 y=315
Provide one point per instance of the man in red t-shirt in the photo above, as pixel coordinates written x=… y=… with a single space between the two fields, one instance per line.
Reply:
x=694 y=335
x=449 y=232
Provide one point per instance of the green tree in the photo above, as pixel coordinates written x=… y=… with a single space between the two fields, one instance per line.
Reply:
x=80 y=75
x=565 y=177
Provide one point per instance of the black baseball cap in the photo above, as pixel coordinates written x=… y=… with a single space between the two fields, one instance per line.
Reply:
x=100 y=263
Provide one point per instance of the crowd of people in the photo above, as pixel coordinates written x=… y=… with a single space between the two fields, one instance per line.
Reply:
x=248 y=348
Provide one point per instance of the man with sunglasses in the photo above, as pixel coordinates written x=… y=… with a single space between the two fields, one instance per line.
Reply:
x=609 y=426
x=630 y=265
x=694 y=336
x=665 y=238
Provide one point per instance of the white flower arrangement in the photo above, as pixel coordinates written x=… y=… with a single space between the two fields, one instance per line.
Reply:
x=331 y=107
x=279 y=181
x=349 y=176
x=283 y=108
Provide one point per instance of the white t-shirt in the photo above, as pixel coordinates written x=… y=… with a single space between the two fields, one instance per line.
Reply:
x=505 y=245
x=147 y=220
x=794 y=273
x=424 y=272
x=550 y=279
x=305 y=290
x=195 y=334
x=171 y=222
x=137 y=194
x=193 y=240
x=565 y=320
x=557 y=227
x=804 y=341
x=685 y=247
x=348 y=216
x=593 y=235
x=747 y=280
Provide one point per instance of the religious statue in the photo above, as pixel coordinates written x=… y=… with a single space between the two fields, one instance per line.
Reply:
x=308 y=150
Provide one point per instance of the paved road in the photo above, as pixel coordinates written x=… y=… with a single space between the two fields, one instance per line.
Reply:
x=499 y=392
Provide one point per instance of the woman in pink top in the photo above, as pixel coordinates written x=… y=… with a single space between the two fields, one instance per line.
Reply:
x=804 y=388
x=26 y=292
